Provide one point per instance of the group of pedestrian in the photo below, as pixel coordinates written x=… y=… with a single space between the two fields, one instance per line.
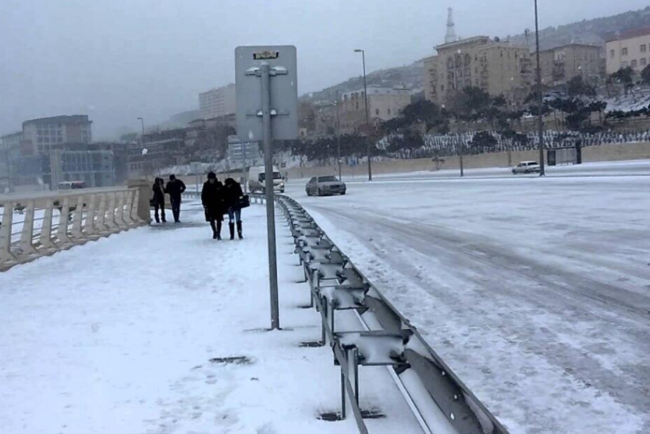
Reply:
x=219 y=199
x=174 y=188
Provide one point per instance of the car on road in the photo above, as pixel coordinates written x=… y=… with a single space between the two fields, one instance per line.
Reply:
x=257 y=179
x=526 y=167
x=325 y=186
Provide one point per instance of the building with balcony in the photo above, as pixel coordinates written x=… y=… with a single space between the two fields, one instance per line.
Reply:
x=561 y=64
x=629 y=49
x=383 y=104
x=499 y=68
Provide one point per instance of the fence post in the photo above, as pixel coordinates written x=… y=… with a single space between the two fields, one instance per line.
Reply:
x=5 y=233
x=110 y=213
x=119 y=214
x=28 y=229
x=46 y=230
x=77 y=219
x=64 y=219
x=128 y=215
x=101 y=214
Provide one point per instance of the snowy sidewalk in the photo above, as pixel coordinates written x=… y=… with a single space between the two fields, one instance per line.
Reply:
x=117 y=336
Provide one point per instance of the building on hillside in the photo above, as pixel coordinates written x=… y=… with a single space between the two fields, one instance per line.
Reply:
x=629 y=49
x=561 y=64
x=156 y=151
x=383 y=104
x=499 y=68
x=40 y=136
x=218 y=102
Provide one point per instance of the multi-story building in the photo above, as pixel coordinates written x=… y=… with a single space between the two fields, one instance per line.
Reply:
x=561 y=64
x=218 y=102
x=40 y=136
x=9 y=152
x=629 y=49
x=95 y=168
x=156 y=151
x=499 y=68
x=383 y=104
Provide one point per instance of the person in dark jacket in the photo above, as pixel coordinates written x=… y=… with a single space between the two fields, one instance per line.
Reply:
x=233 y=194
x=159 y=199
x=175 y=188
x=212 y=197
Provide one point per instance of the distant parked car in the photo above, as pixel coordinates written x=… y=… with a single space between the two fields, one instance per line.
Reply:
x=325 y=186
x=526 y=167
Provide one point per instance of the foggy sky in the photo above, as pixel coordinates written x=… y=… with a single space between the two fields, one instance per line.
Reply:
x=116 y=60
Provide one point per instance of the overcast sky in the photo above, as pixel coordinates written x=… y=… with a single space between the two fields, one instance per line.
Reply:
x=116 y=60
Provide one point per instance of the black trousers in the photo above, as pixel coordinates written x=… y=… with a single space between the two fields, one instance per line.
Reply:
x=176 y=208
x=159 y=206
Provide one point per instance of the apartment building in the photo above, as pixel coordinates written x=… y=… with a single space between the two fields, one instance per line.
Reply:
x=218 y=102
x=561 y=64
x=40 y=136
x=629 y=49
x=499 y=68
x=383 y=104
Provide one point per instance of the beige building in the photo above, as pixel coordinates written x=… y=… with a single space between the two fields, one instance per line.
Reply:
x=499 y=68
x=383 y=104
x=630 y=49
x=218 y=102
x=561 y=64
x=40 y=136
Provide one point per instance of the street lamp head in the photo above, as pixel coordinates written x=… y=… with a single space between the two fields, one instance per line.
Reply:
x=358 y=51
x=139 y=119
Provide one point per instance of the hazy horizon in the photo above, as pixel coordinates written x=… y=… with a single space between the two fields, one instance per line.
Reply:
x=118 y=60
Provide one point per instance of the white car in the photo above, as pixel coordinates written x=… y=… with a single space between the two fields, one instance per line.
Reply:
x=526 y=167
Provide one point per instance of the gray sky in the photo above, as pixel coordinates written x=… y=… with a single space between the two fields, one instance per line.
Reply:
x=116 y=60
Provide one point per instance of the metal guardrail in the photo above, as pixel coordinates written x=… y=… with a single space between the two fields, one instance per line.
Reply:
x=37 y=224
x=439 y=400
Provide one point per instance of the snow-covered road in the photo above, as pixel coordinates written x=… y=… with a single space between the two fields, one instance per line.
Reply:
x=535 y=291
x=121 y=336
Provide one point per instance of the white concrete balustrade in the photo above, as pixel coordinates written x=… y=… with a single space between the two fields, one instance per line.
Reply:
x=37 y=224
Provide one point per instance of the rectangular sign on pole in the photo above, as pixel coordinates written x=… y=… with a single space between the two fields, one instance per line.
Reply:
x=284 y=91
x=267 y=109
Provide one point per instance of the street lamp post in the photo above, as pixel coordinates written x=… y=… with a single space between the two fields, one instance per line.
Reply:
x=338 y=136
x=142 y=136
x=540 y=98
x=365 y=94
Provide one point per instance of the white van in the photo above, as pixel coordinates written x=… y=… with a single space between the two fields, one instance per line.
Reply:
x=256 y=179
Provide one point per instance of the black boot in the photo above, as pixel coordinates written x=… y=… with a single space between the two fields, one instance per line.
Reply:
x=218 y=233
x=239 y=231
x=231 y=226
x=214 y=230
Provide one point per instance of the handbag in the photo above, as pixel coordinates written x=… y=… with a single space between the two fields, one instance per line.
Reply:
x=243 y=202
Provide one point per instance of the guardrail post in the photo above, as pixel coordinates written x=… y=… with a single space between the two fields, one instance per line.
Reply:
x=352 y=368
x=5 y=233
x=64 y=220
x=110 y=213
x=89 y=225
x=77 y=219
x=26 y=237
x=46 y=230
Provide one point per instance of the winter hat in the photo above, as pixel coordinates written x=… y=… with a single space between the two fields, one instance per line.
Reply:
x=212 y=175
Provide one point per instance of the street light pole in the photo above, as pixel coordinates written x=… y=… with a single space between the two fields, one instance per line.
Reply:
x=142 y=136
x=338 y=136
x=365 y=94
x=540 y=99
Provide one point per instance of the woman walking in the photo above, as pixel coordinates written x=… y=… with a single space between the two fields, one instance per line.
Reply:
x=159 y=199
x=212 y=197
x=233 y=196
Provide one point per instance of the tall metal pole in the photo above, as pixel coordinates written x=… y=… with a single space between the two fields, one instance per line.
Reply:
x=270 y=203
x=338 y=136
x=540 y=99
x=365 y=94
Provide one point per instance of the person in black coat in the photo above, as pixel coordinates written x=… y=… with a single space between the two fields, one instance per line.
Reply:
x=212 y=197
x=175 y=188
x=159 y=199
x=233 y=194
